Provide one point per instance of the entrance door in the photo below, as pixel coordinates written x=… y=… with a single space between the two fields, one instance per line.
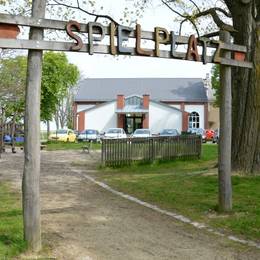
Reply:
x=132 y=123
x=129 y=125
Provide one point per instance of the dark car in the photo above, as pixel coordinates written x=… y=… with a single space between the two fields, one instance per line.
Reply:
x=169 y=132
x=89 y=135
x=216 y=136
x=7 y=139
x=198 y=131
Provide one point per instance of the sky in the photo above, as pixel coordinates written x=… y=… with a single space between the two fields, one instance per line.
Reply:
x=107 y=66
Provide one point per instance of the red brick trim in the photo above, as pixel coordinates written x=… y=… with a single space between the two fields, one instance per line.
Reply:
x=146 y=121
x=81 y=121
x=185 y=121
x=120 y=101
x=75 y=108
x=146 y=101
x=120 y=120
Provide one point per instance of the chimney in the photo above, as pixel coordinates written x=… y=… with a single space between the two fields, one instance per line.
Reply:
x=146 y=100
x=120 y=101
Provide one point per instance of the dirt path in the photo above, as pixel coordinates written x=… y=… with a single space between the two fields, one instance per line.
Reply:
x=83 y=221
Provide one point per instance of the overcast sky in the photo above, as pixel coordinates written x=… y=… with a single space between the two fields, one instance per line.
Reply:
x=103 y=66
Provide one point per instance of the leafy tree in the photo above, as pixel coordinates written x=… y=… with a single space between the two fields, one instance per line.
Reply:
x=12 y=85
x=58 y=77
x=12 y=77
x=215 y=77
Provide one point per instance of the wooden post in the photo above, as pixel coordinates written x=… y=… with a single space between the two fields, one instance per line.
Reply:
x=31 y=174
x=224 y=170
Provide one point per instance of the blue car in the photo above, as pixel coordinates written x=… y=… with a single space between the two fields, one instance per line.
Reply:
x=18 y=139
x=7 y=139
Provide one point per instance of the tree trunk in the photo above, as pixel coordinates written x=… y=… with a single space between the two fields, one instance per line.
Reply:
x=48 y=128
x=31 y=175
x=13 y=132
x=57 y=122
x=246 y=93
x=2 y=131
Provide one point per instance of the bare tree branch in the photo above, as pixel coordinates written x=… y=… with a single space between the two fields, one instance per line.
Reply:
x=195 y=5
x=78 y=7
x=213 y=12
x=186 y=18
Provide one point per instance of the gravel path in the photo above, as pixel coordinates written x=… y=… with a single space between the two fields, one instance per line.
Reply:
x=83 y=221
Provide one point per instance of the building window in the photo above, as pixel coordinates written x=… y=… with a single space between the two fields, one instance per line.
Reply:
x=194 y=120
x=133 y=101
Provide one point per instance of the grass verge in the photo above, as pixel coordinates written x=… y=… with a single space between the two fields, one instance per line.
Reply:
x=53 y=146
x=11 y=224
x=191 y=188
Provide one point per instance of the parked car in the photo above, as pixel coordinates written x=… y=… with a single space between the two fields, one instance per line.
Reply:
x=89 y=135
x=115 y=133
x=7 y=139
x=76 y=132
x=198 y=131
x=19 y=138
x=63 y=135
x=141 y=133
x=169 y=132
x=209 y=134
x=216 y=136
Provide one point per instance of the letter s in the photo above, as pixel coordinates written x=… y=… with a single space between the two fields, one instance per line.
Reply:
x=69 y=27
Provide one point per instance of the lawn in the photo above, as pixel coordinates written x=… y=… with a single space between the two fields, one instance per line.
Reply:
x=191 y=188
x=52 y=146
x=11 y=224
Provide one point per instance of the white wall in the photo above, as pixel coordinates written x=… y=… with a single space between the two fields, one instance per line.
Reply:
x=199 y=109
x=101 y=118
x=161 y=117
x=83 y=107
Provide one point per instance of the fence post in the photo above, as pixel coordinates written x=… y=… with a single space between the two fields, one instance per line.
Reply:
x=102 y=152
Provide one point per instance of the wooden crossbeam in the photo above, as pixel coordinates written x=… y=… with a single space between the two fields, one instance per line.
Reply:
x=61 y=25
x=101 y=49
x=106 y=49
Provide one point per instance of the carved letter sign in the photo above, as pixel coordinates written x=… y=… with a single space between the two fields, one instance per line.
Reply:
x=69 y=27
x=118 y=39
x=192 y=53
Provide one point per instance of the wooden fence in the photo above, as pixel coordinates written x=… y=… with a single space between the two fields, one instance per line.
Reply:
x=117 y=152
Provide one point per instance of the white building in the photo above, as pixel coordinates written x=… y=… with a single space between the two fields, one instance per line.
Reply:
x=154 y=103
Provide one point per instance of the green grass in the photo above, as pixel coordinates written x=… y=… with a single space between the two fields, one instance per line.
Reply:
x=52 y=146
x=191 y=188
x=11 y=223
